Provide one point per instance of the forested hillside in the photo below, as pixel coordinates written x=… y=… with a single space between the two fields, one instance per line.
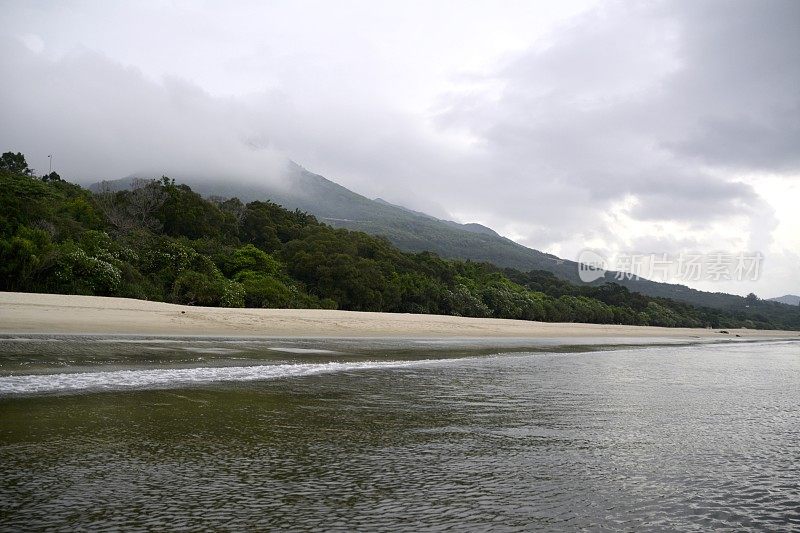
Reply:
x=162 y=241
x=413 y=231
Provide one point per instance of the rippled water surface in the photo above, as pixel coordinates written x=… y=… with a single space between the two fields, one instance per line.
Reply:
x=225 y=434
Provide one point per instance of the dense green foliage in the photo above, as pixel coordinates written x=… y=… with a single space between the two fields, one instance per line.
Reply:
x=412 y=231
x=162 y=241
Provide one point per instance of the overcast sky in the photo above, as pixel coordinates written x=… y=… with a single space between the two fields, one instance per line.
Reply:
x=654 y=127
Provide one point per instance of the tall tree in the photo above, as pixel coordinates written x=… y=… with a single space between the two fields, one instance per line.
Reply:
x=15 y=163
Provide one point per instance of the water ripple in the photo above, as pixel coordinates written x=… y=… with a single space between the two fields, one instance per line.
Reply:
x=702 y=438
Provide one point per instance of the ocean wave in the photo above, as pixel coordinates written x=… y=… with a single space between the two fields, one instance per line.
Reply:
x=182 y=377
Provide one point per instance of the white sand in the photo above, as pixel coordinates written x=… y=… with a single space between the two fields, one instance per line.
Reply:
x=56 y=313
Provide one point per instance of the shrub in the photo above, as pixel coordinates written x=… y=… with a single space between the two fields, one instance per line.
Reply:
x=265 y=291
x=251 y=258
x=195 y=288
x=90 y=274
x=233 y=295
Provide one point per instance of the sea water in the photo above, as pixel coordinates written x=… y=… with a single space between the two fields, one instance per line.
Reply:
x=152 y=433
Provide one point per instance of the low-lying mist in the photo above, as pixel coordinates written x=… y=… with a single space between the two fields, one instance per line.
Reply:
x=103 y=121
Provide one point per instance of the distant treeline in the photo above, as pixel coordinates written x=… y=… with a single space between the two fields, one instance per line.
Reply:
x=161 y=241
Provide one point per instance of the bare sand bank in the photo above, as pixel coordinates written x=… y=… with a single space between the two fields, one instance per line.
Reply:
x=67 y=314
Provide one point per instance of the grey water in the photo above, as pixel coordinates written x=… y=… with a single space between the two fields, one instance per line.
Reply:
x=166 y=434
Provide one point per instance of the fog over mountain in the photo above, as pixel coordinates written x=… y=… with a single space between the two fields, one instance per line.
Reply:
x=623 y=127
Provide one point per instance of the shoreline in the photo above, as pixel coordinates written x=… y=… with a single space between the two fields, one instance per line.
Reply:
x=35 y=313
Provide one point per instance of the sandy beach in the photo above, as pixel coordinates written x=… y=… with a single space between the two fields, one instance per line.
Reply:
x=68 y=314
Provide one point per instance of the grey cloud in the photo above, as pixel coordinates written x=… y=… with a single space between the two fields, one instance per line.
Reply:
x=95 y=115
x=691 y=197
x=627 y=99
x=739 y=87
x=769 y=142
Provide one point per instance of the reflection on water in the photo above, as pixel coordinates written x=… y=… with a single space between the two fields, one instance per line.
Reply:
x=658 y=438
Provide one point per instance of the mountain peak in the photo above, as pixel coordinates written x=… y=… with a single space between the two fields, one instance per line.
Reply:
x=415 y=231
x=788 y=299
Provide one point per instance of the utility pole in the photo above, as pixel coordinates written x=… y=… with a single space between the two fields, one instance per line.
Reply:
x=50 y=157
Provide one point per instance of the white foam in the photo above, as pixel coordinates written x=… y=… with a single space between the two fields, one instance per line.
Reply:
x=289 y=349
x=29 y=339
x=216 y=351
x=178 y=377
